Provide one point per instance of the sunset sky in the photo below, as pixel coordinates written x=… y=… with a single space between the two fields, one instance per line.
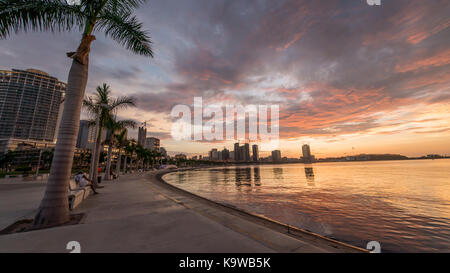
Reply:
x=349 y=78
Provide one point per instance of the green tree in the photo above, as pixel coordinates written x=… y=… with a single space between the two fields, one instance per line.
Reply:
x=130 y=149
x=115 y=19
x=103 y=108
x=115 y=126
x=121 y=143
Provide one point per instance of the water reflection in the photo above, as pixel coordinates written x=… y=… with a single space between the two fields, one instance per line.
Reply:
x=243 y=176
x=402 y=204
x=278 y=173
x=257 y=176
x=309 y=174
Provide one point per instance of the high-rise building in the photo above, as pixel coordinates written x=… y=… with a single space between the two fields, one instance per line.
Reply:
x=213 y=155
x=84 y=136
x=246 y=152
x=142 y=136
x=307 y=156
x=225 y=154
x=276 y=156
x=236 y=152
x=242 y=153
x=306 y=151
x=30 y=108
x=87 y=134
x=152 y=143
x=255 y=151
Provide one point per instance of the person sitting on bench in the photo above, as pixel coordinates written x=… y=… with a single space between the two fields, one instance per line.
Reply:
x=83 y=181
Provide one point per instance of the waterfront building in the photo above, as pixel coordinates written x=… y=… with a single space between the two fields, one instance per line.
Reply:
x=247 y=152
x=307 y=156
x=225 y=154
x=276 y=156
x=152 y=143
x=31 y=103
x=255 y=151
x=236 y=152
x=242 y=153
x=142 y=136
x=213 y=155
x=306 y=151
x=86 y=135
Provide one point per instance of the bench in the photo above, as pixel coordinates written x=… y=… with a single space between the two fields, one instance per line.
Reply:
x=77 y=194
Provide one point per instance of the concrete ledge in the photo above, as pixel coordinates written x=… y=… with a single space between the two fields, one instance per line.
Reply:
x=292 y=231
x=77 y=195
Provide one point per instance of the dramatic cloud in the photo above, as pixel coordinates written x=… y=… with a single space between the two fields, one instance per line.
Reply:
x=334 y=66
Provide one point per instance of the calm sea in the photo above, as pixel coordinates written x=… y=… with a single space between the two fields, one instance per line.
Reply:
x=404 y=205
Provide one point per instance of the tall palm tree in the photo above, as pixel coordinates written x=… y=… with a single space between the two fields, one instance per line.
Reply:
x=115 y=126
x=130 y=149
x=125 y=154
x=121 y=142
x=103 y=107
x=115 y=19
x=141 y=153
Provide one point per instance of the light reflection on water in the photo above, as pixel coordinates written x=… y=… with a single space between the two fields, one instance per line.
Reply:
x=405 y=205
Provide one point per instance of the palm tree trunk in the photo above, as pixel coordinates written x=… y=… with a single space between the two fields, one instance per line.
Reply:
x=125 y=164
x=54 y=207
x=108 y=163
x=94 y=170
x=119 y=159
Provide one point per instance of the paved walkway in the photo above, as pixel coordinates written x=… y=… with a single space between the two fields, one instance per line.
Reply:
x=133 y=214
x=19 y=200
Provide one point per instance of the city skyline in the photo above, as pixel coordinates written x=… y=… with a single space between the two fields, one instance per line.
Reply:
x=375 y=84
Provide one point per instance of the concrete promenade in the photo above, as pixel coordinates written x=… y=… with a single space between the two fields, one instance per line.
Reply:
x=137 y=214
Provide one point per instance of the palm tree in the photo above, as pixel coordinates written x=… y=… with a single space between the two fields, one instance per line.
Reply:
x=103 y=107
x=115 y=126
x=125 y=148
x=121 y=142
x=130 y=149
x=141 y=153
x=115 y=19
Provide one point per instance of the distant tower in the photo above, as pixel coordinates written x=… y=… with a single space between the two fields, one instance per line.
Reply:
x=255 y=152
x=83 y=135
x=307 y=157
x=276 y=156
x=246 y=152
x=306 y=150
x=142 y=135
x=236 y=152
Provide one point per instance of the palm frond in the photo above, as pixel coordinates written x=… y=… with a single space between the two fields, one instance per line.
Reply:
x=127 y=123
x=38 y=15
x=123 y=5
x=90 y=105
x=123 y=102
x=125 y=29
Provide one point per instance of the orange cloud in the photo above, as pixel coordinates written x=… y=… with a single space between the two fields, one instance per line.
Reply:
x=439 y=59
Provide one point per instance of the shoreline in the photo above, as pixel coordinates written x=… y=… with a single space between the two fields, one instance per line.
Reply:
x=141 y=213
x=275 y=225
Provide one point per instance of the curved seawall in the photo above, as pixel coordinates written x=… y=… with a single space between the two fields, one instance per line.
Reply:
x=210 y=208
